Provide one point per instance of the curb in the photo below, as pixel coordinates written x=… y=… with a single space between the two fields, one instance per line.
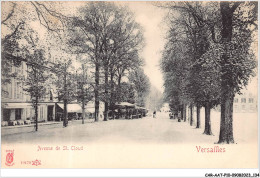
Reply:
x=30 y=125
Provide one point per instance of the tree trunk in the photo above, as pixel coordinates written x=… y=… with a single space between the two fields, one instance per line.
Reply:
x=227 y=95
x=181 y=112
x=198 y=116
x=207 y=130
x=97 y=93
x=106 y=94
x=83 y=111
x=226 y=123
x=119 y=88
x=65 y=113
x=36 y=114
x=113 y=100
x=227 y=19
x=119 y=80
x=188 y=110
x=184 y=112
x=65 y=100
x=191 y=114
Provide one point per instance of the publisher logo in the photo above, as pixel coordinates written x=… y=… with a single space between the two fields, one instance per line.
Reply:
x=9 y=161
x=36 y=162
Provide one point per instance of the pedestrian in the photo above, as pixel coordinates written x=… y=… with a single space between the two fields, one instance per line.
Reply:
x=179 y=116
x=154 y=114
x=171 y=115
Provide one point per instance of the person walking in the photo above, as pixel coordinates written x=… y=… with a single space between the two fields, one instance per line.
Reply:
x=179 y=116
x=154 y=114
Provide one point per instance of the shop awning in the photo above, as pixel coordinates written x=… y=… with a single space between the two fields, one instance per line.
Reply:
x=16 y=105
x=72 y=107
x=125 y=104
x=77 y=108
x=138 y=107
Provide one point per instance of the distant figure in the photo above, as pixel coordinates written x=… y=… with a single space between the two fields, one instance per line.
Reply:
x=179 y=116
x=171 y=115
x=154 y=114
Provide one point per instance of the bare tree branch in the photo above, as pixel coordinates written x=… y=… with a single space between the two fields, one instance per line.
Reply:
x=9 y=15
x=7 y=37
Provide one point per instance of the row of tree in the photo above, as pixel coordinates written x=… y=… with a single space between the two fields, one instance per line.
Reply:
x=102 y=38
x=208 y=58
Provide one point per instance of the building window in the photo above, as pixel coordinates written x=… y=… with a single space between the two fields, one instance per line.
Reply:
x=251 y=107
x=18 y=92
x=243 y=107
x=32 y=114
x=15 y=90
x=251 y=100
x=5 y=92
x=18 y=114
x=235 y=107
x=51 y=96
x=6 y=114
x=41 y=112
x=10 y=90
x=243 y=100
x=236 y=100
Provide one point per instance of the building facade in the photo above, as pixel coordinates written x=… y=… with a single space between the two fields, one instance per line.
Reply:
x=16 y=104
x=246 y=102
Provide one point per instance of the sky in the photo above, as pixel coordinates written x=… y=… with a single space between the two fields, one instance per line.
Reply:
x=151 y=19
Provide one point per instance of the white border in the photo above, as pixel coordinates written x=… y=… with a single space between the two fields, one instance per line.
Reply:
x=119 y=172
x=126 y=172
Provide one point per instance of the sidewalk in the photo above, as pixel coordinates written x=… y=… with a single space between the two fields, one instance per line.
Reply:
x=30 y=125
x=46 y=123
x=20 y=129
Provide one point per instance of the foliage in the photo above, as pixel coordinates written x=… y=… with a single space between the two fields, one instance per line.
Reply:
x=154 y=99
x=141 y=84
x=126 y=93
x=106 y=37
x=63 y=79
x=84 y=87
x=37 y=76
x=197 y=29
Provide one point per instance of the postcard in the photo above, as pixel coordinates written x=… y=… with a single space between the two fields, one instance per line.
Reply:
x=120 y=84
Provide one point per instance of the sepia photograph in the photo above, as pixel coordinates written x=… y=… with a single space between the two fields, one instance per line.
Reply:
x=121 y=84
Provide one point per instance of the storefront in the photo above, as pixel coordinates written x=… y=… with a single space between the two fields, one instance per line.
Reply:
x=25 y=111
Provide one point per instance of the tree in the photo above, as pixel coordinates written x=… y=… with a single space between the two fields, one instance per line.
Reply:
x=84 y=92
x=86 y=38
x=127 y=93
x=127 y=43
x=175 y=64
x=209 y=96
x=227 y=62
x=10 y=38
x=108 y=35
x=11 y=55
x=237 y=60
x=35 y=83
x=154 y=99
x=142 y=85
x=65 y=83
x=200 y=87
